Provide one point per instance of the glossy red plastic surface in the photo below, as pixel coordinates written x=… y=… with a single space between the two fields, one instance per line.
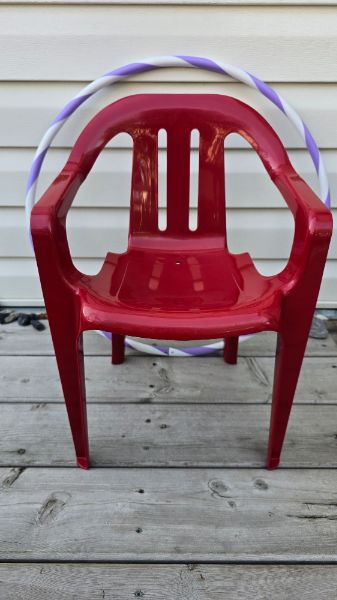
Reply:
x=179 y=284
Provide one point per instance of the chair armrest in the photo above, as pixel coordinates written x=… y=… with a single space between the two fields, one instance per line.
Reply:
x=313 y=223
x=48 y=221
x=58 y=198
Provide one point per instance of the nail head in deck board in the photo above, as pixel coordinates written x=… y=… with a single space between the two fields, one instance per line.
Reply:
x=205 y=380
x=197 y=436
x=167 y=582
x=26 y=341
x=294 y=519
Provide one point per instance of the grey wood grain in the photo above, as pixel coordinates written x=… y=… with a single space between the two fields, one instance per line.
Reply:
x=169 y=514
x=26 y=341
x=161 y=380
x=166 y=582
x=166 y=435
x=139 y=379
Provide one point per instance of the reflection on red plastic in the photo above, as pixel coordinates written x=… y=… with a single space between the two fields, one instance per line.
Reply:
x=177 y=283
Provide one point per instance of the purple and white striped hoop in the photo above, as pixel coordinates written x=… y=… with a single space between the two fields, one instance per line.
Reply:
x=149 y=64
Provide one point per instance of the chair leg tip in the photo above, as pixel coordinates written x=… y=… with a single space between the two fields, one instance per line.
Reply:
x=231 y=361
x=117 y=361
x=83 y=462
x=272 y=463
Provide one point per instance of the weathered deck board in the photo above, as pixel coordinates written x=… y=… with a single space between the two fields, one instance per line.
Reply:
x=15 y=340
x=161 y=380
x=168 y=514
x=174 y=436
x=167 y=582
x=206 y=418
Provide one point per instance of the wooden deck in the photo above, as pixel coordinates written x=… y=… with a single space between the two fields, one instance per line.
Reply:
x=178 y=505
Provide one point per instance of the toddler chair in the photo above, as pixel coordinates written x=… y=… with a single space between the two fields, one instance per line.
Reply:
x=179 y=284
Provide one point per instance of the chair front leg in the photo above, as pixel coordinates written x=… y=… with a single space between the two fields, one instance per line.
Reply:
x=298 y=309
x=288 y=362
x=70 y=360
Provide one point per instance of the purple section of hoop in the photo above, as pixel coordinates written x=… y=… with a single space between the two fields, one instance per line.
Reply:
x=199 y=350
x=131 y=69
x=35 y=169
x=312 y=147
x=202 y=63
x=64 y=114
x=267 y=91
x=70 y=108
x=328 y=200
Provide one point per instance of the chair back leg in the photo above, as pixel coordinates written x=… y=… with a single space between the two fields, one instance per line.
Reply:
x=231 y=350
x=118 y=349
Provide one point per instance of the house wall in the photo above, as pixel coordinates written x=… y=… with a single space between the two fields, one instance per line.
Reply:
x=50 y=49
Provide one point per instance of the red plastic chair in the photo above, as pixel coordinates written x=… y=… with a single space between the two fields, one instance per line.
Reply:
x=179 y=284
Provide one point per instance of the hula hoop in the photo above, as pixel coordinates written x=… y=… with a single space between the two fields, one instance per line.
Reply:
x=149 y=64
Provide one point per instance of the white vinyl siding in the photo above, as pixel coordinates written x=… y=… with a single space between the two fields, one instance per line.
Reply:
x=49 y=50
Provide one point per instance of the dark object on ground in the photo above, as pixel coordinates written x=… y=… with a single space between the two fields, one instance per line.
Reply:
x=24 y=319
x=34 y=321
x=42 y=315
x=3 y=316
x=12 y=316
x=318 y=329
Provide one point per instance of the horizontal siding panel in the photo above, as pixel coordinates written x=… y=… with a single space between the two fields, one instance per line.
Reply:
x=19 y=282
x=92 y=233
x=62 y=43
x=180 y=2
x=27 y=109
x=108 y=185
x=266 y=234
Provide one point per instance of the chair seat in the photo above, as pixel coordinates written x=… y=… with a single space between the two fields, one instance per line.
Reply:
x=183 y=294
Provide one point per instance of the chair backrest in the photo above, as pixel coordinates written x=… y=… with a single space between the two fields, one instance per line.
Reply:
x=214 y=116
